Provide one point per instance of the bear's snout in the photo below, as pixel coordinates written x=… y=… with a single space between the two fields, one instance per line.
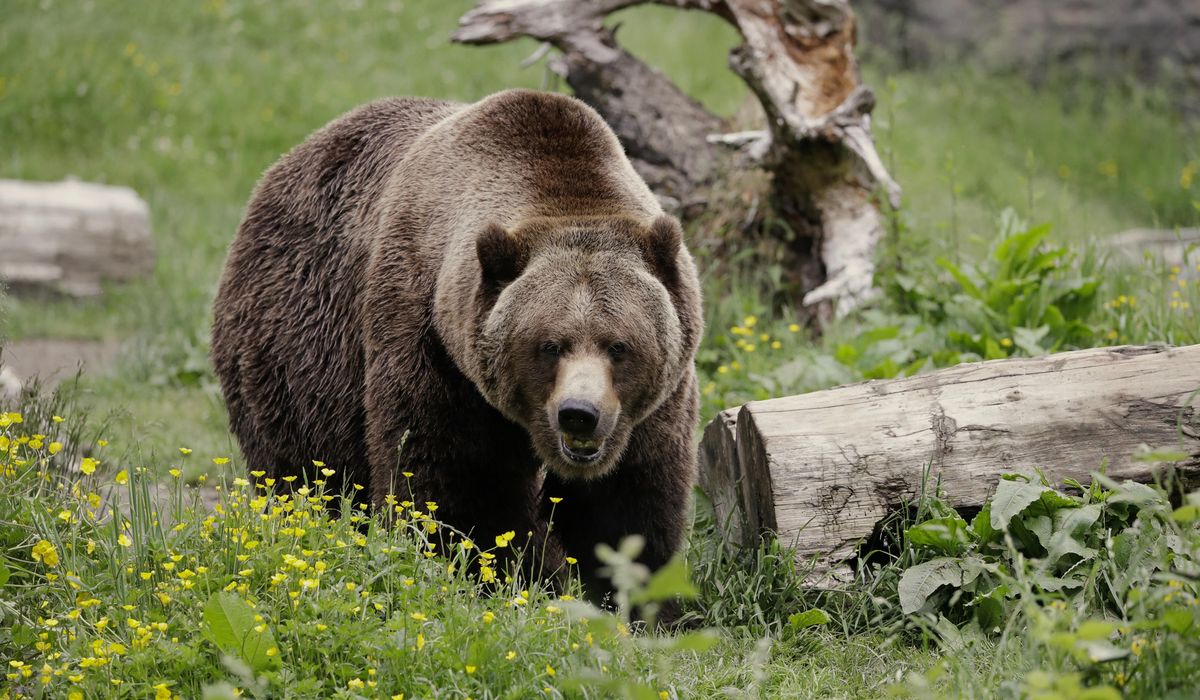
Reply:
x=579 y=418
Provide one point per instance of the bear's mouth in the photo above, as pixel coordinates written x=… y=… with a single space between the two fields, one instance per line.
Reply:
x=580 y=450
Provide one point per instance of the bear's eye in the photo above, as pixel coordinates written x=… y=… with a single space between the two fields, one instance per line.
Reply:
x=550 y=348
x=618 y=350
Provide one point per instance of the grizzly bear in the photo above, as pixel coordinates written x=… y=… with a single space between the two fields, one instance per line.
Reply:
x=485 y=296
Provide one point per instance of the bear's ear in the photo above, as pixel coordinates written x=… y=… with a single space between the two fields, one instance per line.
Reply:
x=661 y=244
x=501 y=256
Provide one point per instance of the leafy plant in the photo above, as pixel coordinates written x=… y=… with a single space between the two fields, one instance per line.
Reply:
x=1024 y=295
x=1098 y=578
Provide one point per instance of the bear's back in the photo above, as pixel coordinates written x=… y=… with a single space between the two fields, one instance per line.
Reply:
x=286 y=334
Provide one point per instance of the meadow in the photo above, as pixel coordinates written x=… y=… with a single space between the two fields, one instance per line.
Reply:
x=1010 y=193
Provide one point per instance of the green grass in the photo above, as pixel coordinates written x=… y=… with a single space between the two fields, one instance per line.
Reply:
x=189 y=102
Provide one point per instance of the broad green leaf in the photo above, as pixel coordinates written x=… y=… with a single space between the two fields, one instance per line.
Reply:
x=1178 y=619
x=1010 y=499
x=229 y=623
x=1162 y=456
x=4 y=573
x=1095 y=630
x=1029 y=340
x=1189 y=513
x=1135 y=493
x=1053 y=500
x=947 y=535
x=989 y=608
x=960 y=277
x=982 y=524
x=1054 y=584
x=808 y=618
x=1042 y=528
x=919 y=582
x=1077 y=520
x=667 y=582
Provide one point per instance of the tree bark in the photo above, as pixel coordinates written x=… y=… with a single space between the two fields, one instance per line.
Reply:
x=821 y=470
x=797 y=58
x=69 y=237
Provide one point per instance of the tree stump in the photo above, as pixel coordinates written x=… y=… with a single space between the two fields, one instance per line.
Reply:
x=816 y=148
x=821 y=470
x=69 y=237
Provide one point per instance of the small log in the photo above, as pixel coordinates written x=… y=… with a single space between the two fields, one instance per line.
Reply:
x=69 y=237
x=1174 y=247
x=821 y=470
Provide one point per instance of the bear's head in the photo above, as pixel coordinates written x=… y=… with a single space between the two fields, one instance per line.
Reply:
x=584 y=327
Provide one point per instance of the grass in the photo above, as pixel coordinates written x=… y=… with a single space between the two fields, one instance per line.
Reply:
x=189 y=102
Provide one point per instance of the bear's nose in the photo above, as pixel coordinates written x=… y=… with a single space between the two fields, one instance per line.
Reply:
x=579 y=418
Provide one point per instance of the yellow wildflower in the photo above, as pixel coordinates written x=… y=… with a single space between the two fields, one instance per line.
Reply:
x=45 y=552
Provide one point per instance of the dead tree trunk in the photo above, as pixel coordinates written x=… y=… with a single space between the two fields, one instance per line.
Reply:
x=821 y=470
x=797 y=58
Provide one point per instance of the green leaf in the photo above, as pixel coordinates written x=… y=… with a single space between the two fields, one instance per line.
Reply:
x=1077 y=521
x=960 y=277
x=1010 y=499
x=1135 y=493
x=808 y=618
x=1041 y=527
x=989 y=608
x=1054 y=584
x=1053 y=500
x=667 y=582
x=1029 y=340
x=1095 y=630
x=698 y=642
x=947 y=535
x=982 y=524
x=229 y=623
x=1178 y=619
x=1162 y=456
x=1189 y=513
x=919 y=582
x=4 y=573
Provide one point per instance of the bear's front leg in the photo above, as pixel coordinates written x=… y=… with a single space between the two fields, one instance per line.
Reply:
x=433 y=439
x=648 y=493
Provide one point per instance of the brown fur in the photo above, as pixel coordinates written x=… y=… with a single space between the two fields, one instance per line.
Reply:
x=443 y=275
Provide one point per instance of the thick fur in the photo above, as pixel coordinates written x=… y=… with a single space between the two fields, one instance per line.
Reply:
x=388 y=300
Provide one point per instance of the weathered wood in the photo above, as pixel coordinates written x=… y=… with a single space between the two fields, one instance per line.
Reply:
x=69 y=237
x=822 y=469
x=1173 y=247
x=797 y=58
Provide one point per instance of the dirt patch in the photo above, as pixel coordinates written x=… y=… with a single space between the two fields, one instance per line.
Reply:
x=53 y=360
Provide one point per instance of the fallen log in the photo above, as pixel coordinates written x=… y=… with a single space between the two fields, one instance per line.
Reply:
x=821 y=470
x=69 y=237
